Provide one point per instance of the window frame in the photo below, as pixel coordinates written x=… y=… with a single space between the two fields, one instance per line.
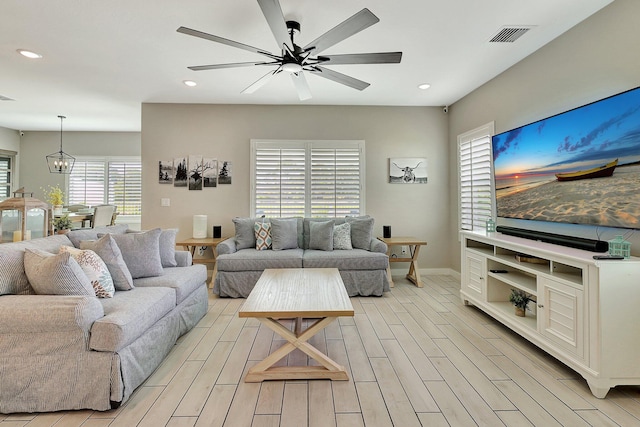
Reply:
x=308 y=146
x=477 y=221
x=10 y=171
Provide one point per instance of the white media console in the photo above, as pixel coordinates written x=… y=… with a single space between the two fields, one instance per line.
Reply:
x=585 y=312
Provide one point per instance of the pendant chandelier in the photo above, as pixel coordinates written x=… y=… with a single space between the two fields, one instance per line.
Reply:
x=60 y=162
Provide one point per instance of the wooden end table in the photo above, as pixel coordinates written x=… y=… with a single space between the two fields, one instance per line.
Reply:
x=192 y=244
x=414 y=249
x=314 y=293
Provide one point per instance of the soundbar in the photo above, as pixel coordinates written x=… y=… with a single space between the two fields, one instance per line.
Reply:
x=572 y=242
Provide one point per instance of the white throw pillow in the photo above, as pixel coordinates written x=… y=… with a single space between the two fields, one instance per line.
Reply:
x=95 y=269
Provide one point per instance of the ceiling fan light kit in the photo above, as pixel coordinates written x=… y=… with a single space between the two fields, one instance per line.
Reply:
x=296 y=60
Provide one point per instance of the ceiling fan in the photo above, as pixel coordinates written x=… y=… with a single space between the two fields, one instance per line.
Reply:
x=298 y=60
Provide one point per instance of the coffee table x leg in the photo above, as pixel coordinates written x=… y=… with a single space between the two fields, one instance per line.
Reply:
x=265 y=370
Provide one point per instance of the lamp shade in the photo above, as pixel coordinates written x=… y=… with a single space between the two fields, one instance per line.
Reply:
x=199 y=226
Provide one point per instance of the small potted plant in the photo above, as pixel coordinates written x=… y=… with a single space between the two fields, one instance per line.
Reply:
x=62 y=224
x=519 y=299
x=55 y=197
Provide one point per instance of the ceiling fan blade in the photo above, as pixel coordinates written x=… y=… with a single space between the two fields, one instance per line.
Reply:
x=206 y=36
x=340 y=78
x=261 y=81
x=302 y=87
x=231 y=65
x=362 y=58
x=273 y=14
x=345 y=29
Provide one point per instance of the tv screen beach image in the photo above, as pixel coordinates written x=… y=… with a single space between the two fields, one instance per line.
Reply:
x=580 y=167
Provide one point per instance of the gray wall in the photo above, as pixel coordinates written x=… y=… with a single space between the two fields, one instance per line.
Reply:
x=224 y=132
x=35 y=146
x=595 y=59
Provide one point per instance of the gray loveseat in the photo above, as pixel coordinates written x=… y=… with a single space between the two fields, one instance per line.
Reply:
x=64 y=352
x=294 y=245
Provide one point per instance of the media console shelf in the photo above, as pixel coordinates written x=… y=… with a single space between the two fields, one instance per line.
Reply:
x=584 y=311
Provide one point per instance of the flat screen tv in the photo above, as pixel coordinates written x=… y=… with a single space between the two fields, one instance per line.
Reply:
x=580 y=167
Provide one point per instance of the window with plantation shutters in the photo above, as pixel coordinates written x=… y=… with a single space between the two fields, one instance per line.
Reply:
x=113 y=181
x=476 y=203
x=307 y=178
x=6 y=174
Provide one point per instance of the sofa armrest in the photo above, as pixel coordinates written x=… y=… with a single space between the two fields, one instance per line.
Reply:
x=46 y=324
x=184 y=258
x=227 y=246
x=378 y=245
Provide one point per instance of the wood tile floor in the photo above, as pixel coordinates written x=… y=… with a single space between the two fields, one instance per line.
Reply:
x=416 y=357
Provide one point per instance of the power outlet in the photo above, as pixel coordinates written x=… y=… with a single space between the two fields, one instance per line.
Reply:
x=405 y=250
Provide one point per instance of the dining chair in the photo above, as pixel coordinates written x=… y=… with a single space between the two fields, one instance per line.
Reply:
x=102 y=215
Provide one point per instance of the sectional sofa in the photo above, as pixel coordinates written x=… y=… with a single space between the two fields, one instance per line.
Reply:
x=347 y=244
x=62 y=348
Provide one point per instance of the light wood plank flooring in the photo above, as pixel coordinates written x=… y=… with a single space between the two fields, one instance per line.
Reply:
x=416 y=357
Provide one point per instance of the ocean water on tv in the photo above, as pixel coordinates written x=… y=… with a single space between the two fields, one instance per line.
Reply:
x=511 y=185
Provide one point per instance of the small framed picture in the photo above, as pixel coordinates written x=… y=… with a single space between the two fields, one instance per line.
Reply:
x=408 y=170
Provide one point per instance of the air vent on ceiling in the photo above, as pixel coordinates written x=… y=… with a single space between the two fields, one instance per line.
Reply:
x=509 y=34
x=5 y=98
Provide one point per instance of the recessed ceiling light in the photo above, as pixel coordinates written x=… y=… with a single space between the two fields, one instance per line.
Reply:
x=190 y=83
x=29 y=54
x=424 y=86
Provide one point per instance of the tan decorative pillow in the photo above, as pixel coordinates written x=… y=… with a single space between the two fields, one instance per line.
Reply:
x=95 y=269
x=59 y=274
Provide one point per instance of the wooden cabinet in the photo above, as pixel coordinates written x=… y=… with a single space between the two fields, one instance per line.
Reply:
x=583 y=311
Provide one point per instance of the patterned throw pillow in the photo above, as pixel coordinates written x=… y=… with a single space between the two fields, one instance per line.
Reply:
x=95 y=269
x=263 y=235
x=342 y=236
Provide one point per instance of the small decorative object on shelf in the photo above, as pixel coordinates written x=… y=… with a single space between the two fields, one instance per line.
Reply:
x=62 y=224
x=491 y=225
x=55 y=197
x=520 y=299
x=620 y=246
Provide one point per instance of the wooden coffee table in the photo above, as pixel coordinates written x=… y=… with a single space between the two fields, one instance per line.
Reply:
x=313 y=293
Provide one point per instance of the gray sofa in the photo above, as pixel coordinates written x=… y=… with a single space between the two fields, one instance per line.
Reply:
x=65 y=352
x=363 y=269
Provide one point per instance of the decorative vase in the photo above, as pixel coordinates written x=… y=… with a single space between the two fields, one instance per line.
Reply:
x=63 y=231
x=620 y=246
x=519 y=312
x=57 y=209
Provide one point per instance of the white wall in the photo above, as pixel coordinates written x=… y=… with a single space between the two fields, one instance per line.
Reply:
x=595 y=59
x=35 y=146
x=224 y=132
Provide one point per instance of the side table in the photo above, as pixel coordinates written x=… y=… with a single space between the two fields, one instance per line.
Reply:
x=414 y=249
x=192 y=244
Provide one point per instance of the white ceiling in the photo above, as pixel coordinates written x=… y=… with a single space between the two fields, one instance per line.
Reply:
x=102 y=59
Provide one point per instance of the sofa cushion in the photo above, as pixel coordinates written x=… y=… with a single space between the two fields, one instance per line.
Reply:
x=94 y=268
x=184 y=280
x=284 y=233
x=51 y=274
x=108 y=250
x=263 y=235
x=342 y=237
x=361 y=232
x=76 y=236
x=128 y=315
x=167 y=244
x=253 y=260
x=141 y=252
x=245 y=235
x=306 y=229
x=355 y=259
x=321 y=235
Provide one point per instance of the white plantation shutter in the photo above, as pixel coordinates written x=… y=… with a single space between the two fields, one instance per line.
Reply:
x=125 y=186
x=335 y=182
x=107 y=180
x=87 y=183
x=6 y=163
x=280 y=181
x=476 y=202
x=307 y=178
